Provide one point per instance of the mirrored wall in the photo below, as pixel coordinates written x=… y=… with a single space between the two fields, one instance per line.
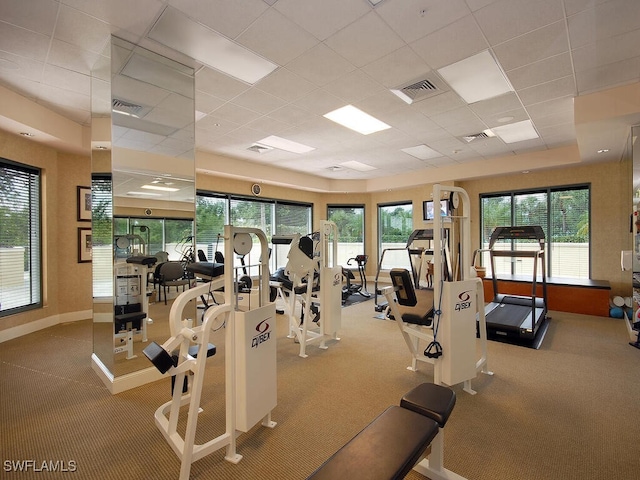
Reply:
x=143 y=176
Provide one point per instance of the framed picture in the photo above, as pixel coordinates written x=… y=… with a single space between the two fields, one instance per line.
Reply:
x=84 y=204
x=84 y=245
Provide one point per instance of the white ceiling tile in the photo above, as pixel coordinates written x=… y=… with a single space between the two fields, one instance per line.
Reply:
x=365 y=40
x=509 y=116
x=559 y=118
x=324 y=18
x=354 y=86
x=228 y=17
x=496 y=105
x=548 y=41
x=235 y=113
x=604 y=20
x=541 y=72
x=506 y=19
x=461 y=121
x=574 y=6
x=478 y=4
x=551 y=107
x=66 y=79
x=267 y=124
x=24 y=43
x=397 y=68
x=285 y=84
x=82 y=30
x=258 y=101
x=608 y=50
x=547 y=91
x=21 y=66
x=320 y=65
x=417 y=18
x=66 y=98
x=292 y=115
x=206 y=103
x=618 y=73
x=456 y=41
x=72 y=57
x=380 y=105
x=35 y=15
x=218 y=84
x=277 y=38
x=319 y=102
x=439 y=104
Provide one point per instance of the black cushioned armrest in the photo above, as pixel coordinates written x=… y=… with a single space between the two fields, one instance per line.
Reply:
x=387 y=448
x=431 y=400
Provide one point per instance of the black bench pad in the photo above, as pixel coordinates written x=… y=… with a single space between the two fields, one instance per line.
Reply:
x=431 y=400
x=387 y=448
x=208 y=269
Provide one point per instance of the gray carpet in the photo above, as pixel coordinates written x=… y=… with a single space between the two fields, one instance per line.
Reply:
x=566 y=411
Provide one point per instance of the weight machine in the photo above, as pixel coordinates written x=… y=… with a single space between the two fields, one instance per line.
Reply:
x=443 y=332
x=250 y=358
x=303 y=263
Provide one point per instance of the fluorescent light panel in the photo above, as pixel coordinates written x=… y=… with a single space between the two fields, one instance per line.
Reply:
x=160 y=188
x=179 y=32
x=476 y=78
x=516 y=132
x=357 y=120
x=284 y=144
x=359 y=166
x=421 y=152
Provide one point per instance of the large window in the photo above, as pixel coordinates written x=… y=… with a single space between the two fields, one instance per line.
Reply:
x=273 y=217
x=563 y=214
x=350 y=222
x=171 y=235
x=20 y=259
x=395 y=224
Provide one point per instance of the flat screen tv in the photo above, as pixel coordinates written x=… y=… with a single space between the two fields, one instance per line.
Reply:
x=427 y=209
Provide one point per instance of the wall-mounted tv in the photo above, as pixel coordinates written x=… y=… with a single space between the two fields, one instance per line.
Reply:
x=427 y=209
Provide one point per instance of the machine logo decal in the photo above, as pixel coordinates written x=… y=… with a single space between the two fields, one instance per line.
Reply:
x=465 y=301
x=264 y=333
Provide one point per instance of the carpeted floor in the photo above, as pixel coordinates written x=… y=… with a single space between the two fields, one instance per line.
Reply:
x=566 y=411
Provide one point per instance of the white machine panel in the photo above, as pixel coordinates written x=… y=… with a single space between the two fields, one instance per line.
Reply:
x=256 y=385
x=457 y=331
x=331 y=299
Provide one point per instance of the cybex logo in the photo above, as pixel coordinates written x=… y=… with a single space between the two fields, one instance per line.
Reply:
x=465 y=301
x=264 y=333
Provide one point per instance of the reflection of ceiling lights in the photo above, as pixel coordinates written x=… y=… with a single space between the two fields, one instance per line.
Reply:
x=516 y=132
x=280 y=143
x=160 y=188
x=476 y=78
x=146 y=194
x=357 y=120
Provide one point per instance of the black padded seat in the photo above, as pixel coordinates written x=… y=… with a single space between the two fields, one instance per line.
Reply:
x=424 y=320
x=207 y=269
x=431 y=400
x=146 y=260
x=387 y=448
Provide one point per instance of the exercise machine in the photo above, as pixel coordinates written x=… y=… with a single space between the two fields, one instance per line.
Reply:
x=418 y=245
x=250 y=358
x=518 y=319
x=440 y=328
x=351 y=288
x=325 y=302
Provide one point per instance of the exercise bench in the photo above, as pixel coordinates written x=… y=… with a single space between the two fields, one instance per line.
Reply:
x=398 y=440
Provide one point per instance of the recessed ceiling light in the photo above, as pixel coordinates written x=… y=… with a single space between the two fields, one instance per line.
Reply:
x=284 y=144
x=476 y=78
x=101 y=147
x=158 y=187
x=505 y=119
x=357 y=120
x=421 y=152
x=359 y=166
x=604 y=150
x=516 y=132
x=27 y=134
x=179 y=32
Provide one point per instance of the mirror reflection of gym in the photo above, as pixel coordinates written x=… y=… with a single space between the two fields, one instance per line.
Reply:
x=150 y=188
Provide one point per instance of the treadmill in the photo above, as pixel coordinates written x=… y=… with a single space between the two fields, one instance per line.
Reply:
x=518 y=319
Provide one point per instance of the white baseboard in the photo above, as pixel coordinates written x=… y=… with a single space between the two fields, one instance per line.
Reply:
x=36 y=325
x=125 y=382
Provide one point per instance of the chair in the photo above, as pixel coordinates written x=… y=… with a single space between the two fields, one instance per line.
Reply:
x=171 y=274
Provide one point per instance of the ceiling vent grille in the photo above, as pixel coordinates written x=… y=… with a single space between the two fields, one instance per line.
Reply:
x=475 y=136
x=127 y=108
x=417 y=90
x=256 y=147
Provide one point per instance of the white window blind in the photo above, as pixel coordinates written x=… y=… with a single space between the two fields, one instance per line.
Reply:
x=20 y=246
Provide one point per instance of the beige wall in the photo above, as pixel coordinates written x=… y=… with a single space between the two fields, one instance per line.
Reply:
x=68 y=283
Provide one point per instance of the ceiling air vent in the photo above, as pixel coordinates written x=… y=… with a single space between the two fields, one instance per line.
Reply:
x=475 y=136
x=126 y=108
x=420 y=89
x=256 y=147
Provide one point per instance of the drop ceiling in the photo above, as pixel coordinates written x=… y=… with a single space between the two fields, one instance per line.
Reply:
x=317 y=56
